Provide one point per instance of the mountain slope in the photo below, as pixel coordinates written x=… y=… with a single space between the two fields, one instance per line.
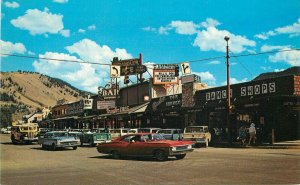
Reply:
x=33 y=90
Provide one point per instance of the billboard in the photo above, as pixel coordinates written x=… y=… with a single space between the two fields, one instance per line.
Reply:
x=165 y=74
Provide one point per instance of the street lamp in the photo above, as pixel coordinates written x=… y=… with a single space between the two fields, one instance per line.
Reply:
x=226 y=38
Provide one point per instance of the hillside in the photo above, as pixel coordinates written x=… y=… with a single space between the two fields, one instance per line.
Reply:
x=26 y=92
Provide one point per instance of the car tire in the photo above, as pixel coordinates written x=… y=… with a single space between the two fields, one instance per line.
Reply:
x=115 y=154
x=53 y=147
x=181 y=156
x=160 y=155
x=74 y=147
x=43 y=147
x=13 y=140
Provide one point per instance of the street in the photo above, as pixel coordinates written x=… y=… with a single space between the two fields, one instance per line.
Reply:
x=29 y=164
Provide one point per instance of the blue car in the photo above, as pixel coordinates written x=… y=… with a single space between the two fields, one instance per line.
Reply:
x=58 y=139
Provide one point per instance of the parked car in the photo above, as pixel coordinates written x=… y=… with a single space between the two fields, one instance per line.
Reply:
x=93 y=138
x=148 y=130
x=146 y=145
x=25 y=133
x=6 y=130
x=58 y=139
x=171 y=134
x=115 y=133
x=197 y=134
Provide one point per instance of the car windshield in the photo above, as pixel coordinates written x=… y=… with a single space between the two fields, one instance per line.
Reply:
x=63 y=134
x=194 y=129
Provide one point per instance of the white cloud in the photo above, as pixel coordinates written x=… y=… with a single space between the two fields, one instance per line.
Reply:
x=148 y=28
x=65 y=33
x=207 y=77
x=235 y=81
x=164 y=30
x=11 y=4
x=92 y=27
x=215 y=62
x=39 y=22
x=184 y=27
x=213 y=39
x=10 y=48
x=60 y=1
x=89 y=50
x=84 y=76
x=278 y=70
x=210 y=23
x=292 y=30
x=81 y=30
x=290 y=57
x=266 y=48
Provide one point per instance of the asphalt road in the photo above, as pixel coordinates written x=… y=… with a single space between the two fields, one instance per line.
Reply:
x=29 y=164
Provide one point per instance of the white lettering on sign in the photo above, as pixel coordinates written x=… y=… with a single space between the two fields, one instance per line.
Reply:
x=258 y=89
x=217 y=95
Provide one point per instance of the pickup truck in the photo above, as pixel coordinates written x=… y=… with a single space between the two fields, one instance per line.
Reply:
x=58 y=139
x=197 y=134
x=93 y=138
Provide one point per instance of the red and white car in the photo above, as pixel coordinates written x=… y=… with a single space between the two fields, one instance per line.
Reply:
x=146 y=145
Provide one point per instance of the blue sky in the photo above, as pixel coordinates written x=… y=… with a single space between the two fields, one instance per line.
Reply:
x=163 y=31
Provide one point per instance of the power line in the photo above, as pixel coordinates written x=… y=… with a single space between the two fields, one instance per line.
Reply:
x=191 y=61
x=53 y=59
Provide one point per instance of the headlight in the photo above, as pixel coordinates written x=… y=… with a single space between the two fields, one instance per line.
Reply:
x=189 y=147
x=173 y=149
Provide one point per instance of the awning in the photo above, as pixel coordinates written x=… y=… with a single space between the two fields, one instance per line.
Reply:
x=139 y=108
x=70 y=117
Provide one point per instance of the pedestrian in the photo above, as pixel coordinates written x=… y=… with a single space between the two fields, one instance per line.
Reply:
x=252 y=133
x=242 y=134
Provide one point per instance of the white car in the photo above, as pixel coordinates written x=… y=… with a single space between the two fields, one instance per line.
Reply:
x=198 y=134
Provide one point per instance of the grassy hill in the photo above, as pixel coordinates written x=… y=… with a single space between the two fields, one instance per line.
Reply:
x=25 y=92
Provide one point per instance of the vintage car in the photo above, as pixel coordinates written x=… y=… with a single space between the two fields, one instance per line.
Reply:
x=171 y=134
x=148 y=130
x=197 y=134
x=58 y=139
x=25 y=133
x=93 y=138
x=146 y=145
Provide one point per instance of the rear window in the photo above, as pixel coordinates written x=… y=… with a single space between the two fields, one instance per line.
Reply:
x=164 y=132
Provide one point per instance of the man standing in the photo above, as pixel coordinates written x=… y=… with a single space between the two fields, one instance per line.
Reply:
x=252 y=133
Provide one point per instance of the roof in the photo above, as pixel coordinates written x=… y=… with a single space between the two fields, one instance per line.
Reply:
x=290 y=71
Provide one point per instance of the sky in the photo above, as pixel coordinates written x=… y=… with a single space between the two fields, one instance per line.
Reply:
x=165 y=32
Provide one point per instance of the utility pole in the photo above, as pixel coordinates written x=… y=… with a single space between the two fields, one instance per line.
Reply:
x=226 y=38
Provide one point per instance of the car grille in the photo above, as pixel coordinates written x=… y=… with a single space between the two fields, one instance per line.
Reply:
x=179 y=148
x=69 y=143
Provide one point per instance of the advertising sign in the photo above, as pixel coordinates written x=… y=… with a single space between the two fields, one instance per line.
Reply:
x=190 y=78
x=115 y=71
x=185 y=68
x=106 y=104
x=165 y=74
x=87 y=103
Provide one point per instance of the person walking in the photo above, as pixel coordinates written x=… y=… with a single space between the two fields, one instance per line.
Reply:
x=242 y=135
x=252 y=133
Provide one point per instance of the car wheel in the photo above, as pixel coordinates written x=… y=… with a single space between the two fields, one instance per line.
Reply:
x=74 y=147
x=43 y=147
x=115 y=154
x=181 y=156
x=53 y=146
x=160 y=155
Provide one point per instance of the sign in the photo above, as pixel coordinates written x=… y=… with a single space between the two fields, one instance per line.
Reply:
x=106 y=104
x=115 y=71
x=190 y=78
x=87 y=103
x=185 y=68
x=110 y=91
x=165 y=74
x=127 y=62
x=133 y=70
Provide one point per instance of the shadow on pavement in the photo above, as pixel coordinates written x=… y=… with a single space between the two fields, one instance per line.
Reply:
x=148 y=159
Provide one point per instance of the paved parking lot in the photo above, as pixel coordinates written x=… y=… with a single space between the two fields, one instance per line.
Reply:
x=29 y=164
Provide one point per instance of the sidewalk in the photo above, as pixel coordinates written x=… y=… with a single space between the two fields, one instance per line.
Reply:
x=277 y=145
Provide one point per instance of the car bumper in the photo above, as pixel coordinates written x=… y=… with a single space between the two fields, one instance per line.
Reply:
x=173 y=153
x=196 y=140
x=68 y=144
